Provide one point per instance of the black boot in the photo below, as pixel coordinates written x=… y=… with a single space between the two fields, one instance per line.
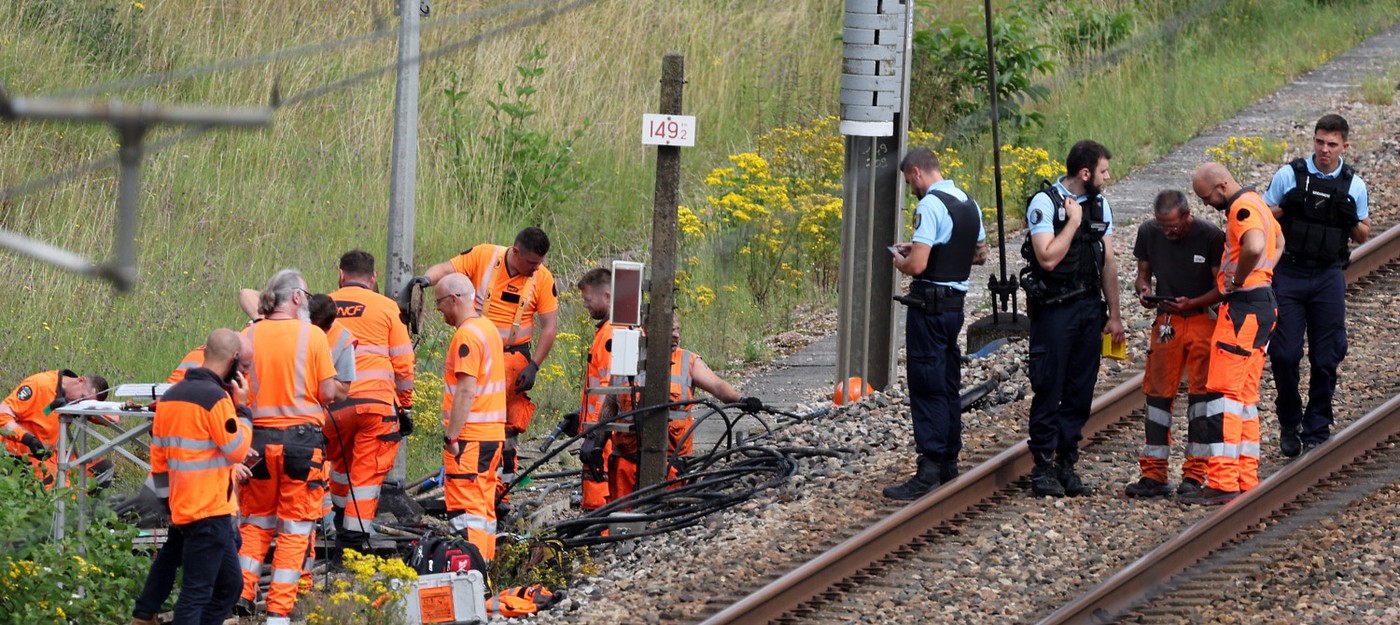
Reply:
x=1043 y=480
x=925 y=480
x=1064 y=472
x=346 y=539
x=948 y=469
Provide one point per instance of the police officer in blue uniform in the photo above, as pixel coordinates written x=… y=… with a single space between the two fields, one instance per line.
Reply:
x=1071 y=283
x=948 y=239
x=1320 y=203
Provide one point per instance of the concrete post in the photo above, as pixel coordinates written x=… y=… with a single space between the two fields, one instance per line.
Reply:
x=654 y=424
x=403 y=184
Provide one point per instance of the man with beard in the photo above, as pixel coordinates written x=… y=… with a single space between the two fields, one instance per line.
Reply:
x=1181 y=255
x=292 y=381
x=1071 y=282
x=1230 y=425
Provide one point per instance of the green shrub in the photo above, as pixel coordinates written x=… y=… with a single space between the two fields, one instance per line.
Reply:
x=950 y=71
x=91 y=576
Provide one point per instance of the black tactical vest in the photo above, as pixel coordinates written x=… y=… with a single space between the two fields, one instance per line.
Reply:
x=1318 y=214
x=1082 y=266
x=952 y=261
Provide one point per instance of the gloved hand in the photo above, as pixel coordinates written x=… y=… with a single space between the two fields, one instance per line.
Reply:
x=750 y=404
x=569 y=426
x=526 y=380
x=36 y=446
x=591 y=453
x=405 y=415
x=422 y=281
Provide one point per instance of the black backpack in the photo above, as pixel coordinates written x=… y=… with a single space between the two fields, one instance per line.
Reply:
x=449 y=554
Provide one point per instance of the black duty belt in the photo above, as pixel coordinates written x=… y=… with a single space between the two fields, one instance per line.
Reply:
x=1255 y=295
x=523 y=348
x=305 y=435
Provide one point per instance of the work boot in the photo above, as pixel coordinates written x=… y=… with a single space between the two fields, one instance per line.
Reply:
x=1064 y=472
x=1289 y=443
x=244 y=607
x=1188 y=488
x=1147 y=487
x=923 y=481
x=1210 y=496
x=1043 y=480
x=948 y=469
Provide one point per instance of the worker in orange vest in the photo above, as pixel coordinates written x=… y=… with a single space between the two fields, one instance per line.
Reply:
x=595 y=288
x=1253 y=246
x=513 y=290
x=200 y=436
x=192 y=360
x=292 y=380
x=473 y=415
x=170 y=556
x=688 y=372
x=365 y=429
x=30 y=428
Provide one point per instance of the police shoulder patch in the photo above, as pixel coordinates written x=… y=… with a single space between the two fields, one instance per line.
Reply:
x=918 y=219
x=24 y=393
x=463 y=350
x=1034 y=216
x=1242 y=214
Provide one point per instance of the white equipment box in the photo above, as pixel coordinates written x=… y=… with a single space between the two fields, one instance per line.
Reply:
x=448 y=598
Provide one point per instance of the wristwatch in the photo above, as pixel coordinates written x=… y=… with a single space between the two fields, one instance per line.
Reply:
x=447 y=442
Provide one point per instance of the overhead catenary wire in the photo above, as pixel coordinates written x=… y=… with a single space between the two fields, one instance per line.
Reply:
x=309 y=94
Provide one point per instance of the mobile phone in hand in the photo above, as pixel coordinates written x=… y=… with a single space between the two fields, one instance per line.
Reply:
x=1157 y=299
x=893 y=250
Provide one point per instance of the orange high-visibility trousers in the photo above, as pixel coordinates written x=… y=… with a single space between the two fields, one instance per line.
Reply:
x=520 y=409
x=1188 y=352
x=470 y=492
x=1230 y=428
x=622 y=477
x=594 y=485
x=361 y=449
x=283 y=498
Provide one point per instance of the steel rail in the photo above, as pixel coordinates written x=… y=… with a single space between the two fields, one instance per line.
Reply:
x=1119 y=593
x=942 y=505
x=844 y=561
x=1132 y=584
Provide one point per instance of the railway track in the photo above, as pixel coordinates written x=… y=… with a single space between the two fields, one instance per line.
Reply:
x=910 y=562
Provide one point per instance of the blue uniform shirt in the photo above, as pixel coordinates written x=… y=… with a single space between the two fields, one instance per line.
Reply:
x=1039 y=214
x=1284 y=182
x=934 y=226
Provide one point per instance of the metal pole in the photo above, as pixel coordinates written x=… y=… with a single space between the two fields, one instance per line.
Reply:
x=996 y=133
x=128 y=204
x=131 y=123
x=654 y=424
x=398 y=263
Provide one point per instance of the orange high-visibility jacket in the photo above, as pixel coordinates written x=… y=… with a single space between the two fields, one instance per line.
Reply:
x=597 y=372
x=509 y=302
x=196 y=437
x=476 y=351
x=384 y=356
x=290 y=358
x=1247 y=211
x=32 y=403
x=343 y=344
x=682 y=389
x=191 y=360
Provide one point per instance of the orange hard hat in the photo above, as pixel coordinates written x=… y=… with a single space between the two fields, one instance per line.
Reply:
x=850 y=390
